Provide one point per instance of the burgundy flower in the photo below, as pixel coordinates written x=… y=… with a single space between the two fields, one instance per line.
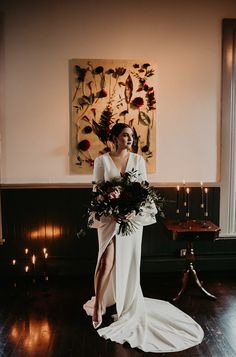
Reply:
x=137 y=102
x=120 y=71
x=136 y=65
x=87 y=129
x=110 y=71
x=145 y=148
x=84 y=145
x=145 y=65
x=102 y=94
x=98 y=70
x=81 y=72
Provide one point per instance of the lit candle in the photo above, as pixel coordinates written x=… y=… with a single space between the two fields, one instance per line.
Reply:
x=46 y=255
x=26 y=251
x=187 y=202
x=14 y=272
x=26 y=268
x=177 y=201
x=33 y=259
x=202 y=196
x=206 y=202
x=44 y=250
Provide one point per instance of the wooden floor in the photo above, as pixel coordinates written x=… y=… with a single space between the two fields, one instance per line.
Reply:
x=46 y=319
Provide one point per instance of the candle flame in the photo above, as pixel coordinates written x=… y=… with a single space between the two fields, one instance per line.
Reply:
x=177 y=188
x=13 y=262
x=33 y=259
x=187 y=190
x=201 y=183
x=26 y=250
x=44 y=250
x=26 y=268
x=206 y=190
x=46 y=255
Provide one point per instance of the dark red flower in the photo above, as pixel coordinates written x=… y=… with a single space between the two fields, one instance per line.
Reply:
x=98 y=70
x=81 y=72
x=120 y=71
x=84 y=145
x=87 y=129
x=145 y=148
x=136 y=65
x=110 y=71
x=137 y=102
x=102 y=93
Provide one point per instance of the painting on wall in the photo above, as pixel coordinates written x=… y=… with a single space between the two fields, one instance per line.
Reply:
x=103 y=93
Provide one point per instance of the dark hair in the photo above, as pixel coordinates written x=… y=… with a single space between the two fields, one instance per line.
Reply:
x=117 y=129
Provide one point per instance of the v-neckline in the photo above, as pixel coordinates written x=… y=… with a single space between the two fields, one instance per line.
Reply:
x=126 y=167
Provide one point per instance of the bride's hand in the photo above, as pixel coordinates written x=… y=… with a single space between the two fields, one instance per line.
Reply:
x=126 y=217
x=130 y=215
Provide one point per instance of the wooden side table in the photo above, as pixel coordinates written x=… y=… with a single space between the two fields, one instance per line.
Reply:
x=192 y=231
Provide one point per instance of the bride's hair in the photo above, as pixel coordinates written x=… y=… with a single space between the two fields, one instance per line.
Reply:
x=116 y=130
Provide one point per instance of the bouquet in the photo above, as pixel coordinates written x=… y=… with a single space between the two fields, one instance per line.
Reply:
x=119 y=197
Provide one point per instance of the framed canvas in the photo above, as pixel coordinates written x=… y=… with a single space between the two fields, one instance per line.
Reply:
x=105 y=92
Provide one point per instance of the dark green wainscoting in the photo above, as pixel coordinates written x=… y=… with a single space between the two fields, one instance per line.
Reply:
x=51 y=217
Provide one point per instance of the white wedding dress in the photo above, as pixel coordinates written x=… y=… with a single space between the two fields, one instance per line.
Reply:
x=148 y=324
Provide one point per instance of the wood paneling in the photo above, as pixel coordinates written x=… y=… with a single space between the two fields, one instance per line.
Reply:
x=51 y=217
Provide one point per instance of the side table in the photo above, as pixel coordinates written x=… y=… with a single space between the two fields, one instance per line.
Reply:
x=192 y=231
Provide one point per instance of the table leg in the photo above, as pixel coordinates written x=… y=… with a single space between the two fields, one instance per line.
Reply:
x=190 y=273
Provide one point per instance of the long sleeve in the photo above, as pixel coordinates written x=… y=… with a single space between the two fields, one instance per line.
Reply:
x=98 y=176
x=98 y=171
x=147 y=216
x=142 y=169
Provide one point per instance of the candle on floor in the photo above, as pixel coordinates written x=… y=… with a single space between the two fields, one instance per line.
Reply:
x=14 y=272
x=33 y=262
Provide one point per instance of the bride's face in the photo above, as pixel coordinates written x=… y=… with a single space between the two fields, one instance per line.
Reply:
x=125 y=139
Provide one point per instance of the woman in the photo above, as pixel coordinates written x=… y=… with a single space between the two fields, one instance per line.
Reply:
x=149 y=324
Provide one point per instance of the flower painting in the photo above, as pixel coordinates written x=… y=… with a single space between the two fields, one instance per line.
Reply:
x=103 y=93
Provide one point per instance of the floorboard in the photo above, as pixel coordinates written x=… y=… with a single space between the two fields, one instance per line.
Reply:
x=45 y=319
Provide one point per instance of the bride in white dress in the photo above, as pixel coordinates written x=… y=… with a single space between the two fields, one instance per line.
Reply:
x=148 y=324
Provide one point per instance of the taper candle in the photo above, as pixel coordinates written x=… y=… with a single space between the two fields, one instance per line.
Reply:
x=206 y=202
x=202 y=196
x=187 y=201
x=177 y=200
x=184 y=188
